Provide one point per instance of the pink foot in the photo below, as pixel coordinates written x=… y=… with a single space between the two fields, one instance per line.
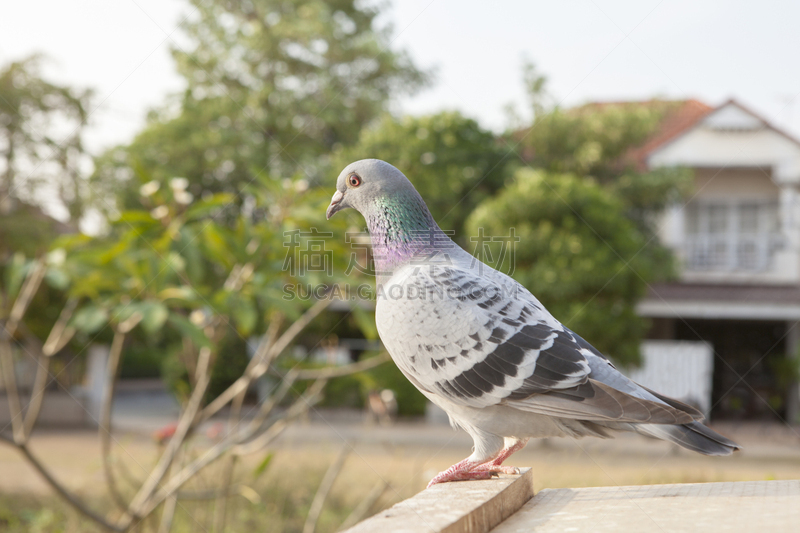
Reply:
x=444 y=477
x=460 y=472
x=496 y=469
x=467 y=469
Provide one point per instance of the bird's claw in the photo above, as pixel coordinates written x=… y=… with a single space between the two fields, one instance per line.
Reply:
x=484 y=471
x=497 y=469
x=444 y=477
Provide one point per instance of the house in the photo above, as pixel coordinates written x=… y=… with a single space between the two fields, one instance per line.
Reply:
x=737 y=239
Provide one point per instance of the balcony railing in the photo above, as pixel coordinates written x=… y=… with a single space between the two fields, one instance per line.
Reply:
x=731 y=253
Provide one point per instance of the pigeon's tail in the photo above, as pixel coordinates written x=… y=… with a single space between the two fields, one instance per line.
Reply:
x=693 y=436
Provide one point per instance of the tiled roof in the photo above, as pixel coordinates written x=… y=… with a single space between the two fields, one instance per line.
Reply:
x=679 y=116
x=677 y=119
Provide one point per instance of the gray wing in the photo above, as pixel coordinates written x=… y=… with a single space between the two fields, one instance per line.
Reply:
x=484 y=340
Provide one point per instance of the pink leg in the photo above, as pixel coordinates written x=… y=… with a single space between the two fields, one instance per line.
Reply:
x=496 y=464
x=460 y=472
x=467 y=469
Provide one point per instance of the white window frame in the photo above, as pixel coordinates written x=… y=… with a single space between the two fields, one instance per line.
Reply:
x=701 y=248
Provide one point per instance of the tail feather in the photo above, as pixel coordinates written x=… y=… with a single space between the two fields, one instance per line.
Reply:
x=677 y=404
x=693 y=436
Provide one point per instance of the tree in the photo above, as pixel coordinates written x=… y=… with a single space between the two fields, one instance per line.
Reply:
x=599 y=141
x=585 y=211
x=31 y=112
x=450 y=159
x=38 y=160
x=272 y=87
x=578 y=253
x=188 y=274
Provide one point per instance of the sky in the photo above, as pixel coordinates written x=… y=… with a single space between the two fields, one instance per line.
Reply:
x=589 y=50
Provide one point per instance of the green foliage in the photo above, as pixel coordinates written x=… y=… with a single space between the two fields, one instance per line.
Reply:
x=351 y=391
x=647 y=194
x=24 y=228
x=592 y=139
x=586 y=217
x=579 y=253
x=229 y=365
x=450 y=159
x=599 y=141
x=203 y=273
x=36 y=157
x=141 y=361
x=273 y=86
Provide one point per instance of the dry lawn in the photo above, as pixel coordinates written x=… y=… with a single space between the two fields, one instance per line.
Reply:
x=404 y=457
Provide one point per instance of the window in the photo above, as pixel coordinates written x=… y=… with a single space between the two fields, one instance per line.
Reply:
x=731 y=236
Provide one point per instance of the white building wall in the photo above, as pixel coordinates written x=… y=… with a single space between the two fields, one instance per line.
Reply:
x=737 y=157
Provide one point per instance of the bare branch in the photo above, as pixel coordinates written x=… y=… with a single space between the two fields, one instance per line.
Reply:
x=272 y=351
x=61 y=334
x=76 y=503
x=215 y=452
x=234 y=420
x=300 y=406
x=221 y=507
x=292 y=332
x=26 y=293
x=186 y=422
x=129 y=323
x=168 y=513
x=268 y=406
x=324 y=489
x=344 y=370
x=14 y=404
x=37 y=396
x=114 y=356
x=267 y=342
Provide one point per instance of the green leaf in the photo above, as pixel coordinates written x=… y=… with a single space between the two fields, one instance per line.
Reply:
x=184 y=293
x=215 y=246
x=262 y=466
x=15 y=274
x=57 y=278
x=188 y=329
x=205 y=207
x=155 y=314
x=90 y=319
x=134 y=217
x=245 y=315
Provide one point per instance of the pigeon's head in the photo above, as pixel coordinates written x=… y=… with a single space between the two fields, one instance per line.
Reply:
x=362 y=184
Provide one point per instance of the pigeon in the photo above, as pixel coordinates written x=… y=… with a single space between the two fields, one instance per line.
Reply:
x=480 y=346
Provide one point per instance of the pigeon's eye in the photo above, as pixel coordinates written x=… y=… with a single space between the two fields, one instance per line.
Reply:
x=354 y=180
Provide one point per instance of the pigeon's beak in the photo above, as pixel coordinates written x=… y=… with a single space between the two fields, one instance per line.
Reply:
x=336 y=204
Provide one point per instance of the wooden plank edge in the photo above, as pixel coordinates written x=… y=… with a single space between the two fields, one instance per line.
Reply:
x=504 y=504
x=484 y=516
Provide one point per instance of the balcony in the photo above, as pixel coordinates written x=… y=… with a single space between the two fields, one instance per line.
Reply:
x=731 y=252
x=734 y=240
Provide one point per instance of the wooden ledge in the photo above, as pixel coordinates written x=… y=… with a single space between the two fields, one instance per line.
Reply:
x=460 y=507
x=745 y=506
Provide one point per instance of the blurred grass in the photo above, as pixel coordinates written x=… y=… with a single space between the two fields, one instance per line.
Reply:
x=277 y=499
